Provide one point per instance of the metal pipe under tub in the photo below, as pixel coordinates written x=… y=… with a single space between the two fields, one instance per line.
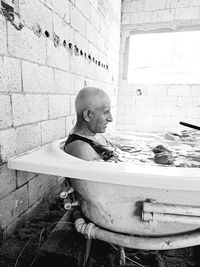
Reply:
x=172 y=218
x=135 y=242
x=159 y=212
x=170 y=209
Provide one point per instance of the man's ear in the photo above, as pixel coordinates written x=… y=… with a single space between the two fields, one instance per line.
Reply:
x=87 y=114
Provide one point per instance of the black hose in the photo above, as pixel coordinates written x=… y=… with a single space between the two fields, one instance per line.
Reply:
x=190 y=125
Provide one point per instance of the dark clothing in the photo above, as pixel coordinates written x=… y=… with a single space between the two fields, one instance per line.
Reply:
x=103 y=151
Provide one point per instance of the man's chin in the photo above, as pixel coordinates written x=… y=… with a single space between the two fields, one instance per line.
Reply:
x=104 y=129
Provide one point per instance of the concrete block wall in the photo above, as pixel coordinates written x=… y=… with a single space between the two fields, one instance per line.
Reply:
x=39 y=81
x=160 y=107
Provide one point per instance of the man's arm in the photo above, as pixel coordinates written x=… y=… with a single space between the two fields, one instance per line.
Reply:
x=82 y=150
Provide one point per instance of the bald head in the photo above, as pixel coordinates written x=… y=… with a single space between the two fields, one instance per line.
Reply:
x=89 y=97
x=93 y=111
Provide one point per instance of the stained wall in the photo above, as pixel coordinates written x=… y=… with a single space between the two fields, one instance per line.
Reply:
x=50 y=51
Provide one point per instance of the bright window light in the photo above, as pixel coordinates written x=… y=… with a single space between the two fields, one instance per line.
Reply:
x=164 y=58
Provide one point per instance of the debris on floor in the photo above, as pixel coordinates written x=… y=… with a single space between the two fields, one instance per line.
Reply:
x=22 y=248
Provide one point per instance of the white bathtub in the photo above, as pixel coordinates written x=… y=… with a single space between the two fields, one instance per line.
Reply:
x=112 y=195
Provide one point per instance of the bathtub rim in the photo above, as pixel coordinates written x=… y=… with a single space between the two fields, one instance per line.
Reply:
x=50 y=159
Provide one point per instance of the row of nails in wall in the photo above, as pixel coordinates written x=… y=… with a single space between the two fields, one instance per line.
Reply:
x=69 y=46
x=10 y=15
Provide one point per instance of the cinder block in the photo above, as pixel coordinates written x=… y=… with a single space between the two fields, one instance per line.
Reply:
x=128 y=128
x=93 y=51
x=148 y=101
x=167 y=101
x=151 y=111
x=62 y=29
x=133 y=6
x=187 y=13
x=120 y=119
x=3 y=38
x=78 y=65
x=122 y=91
x=33 y=12
x=62 y=8
x=178 y=112
x=10 y=75
x=179 y=90
x=122 y=83
x=139 y=110
x=100 y=74
x=121 y=110
x=194 y=3
x=103 y=28
x=26 y=45
x=129 y=119
x=78 y=21
x=84 y=7
x=154 y=5
x=13 y=205
x=64 y=82
x=24 y=177
x=58 y=56
x=177 y=3
x=132 y=89
x=52 y=130
x=192 y=112
x=70 y=122
x=195 y=90
x=123 y=100
x=59 y=105
x=29 y=108
x=184 y=101
x=15 y=141
x=90 y=70
x=72 y=105
x=157 y=90
x=31 y=211
x=101 y=44
x=91 y=34
x=145 y=120
x=80 y=41
x=163 y=15
x=37 y=78
x=141 y=17
x=7 y=181
x=120 y=128
x=5 y=111
x=94 y=18
x=39 y=186
x=94 y=3
x=79 y=83
x=126 y=18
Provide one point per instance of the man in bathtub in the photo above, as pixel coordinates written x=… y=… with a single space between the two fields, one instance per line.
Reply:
x=93 y=115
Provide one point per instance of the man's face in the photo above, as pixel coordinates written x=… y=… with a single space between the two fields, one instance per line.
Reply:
x=100 y=117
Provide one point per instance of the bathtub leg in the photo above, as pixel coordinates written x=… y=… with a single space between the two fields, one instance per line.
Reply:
x=122 y=256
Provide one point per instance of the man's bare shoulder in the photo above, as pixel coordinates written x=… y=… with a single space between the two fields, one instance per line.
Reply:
x=81 y=150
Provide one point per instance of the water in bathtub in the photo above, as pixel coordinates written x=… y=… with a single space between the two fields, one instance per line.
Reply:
x=172 y=149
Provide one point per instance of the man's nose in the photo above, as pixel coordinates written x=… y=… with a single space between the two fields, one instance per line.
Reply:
x=110 y=117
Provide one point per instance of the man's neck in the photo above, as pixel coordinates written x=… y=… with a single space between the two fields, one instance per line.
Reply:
x=83 y=131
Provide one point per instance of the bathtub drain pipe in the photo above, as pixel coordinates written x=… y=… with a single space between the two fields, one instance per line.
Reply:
x=145 y=243
x=159 y=212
